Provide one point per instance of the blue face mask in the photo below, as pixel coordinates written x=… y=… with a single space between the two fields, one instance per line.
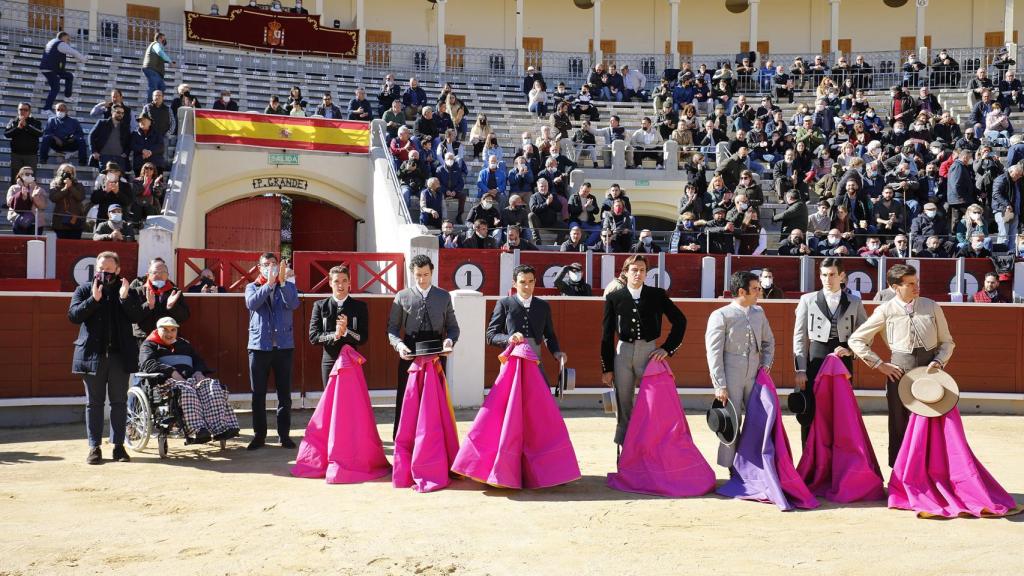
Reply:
x=158 y=283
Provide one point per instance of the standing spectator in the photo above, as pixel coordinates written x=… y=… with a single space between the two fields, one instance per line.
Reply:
x=111 y=139
x=414 y=98
x=26 y=203
x=531 y=79
x=1006 y=203
x=53 y=66
x=225 y=102
x=960 y=190
x=989 y=294
x=24 y=132
x=153 y=62
x=389 y=92
x=453 y=183
x=620 y=223
x=537 y=100
x=160 y=113
x=157 y=297
x=115 y=228
x=147 y=145
x=545 y=210
x=67 y=195
x=105 y=351
x=270 y=301
x=793 y=217
x=327 y=109
x=63 y=134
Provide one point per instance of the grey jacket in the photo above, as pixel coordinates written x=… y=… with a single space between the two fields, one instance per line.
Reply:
x=729 y=334
x=405 y=313
x=813 y=322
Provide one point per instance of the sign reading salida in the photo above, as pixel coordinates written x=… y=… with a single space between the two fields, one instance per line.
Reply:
x=279 y=183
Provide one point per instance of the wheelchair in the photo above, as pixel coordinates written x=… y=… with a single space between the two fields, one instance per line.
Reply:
x=153 y=409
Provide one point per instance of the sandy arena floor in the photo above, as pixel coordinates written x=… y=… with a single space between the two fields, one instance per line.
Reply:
x=204 y=511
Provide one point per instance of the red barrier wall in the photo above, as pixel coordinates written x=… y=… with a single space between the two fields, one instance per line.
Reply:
x=38 y=340
x=80 y=255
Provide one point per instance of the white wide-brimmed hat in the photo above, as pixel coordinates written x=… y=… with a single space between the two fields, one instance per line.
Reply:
x=928 y=391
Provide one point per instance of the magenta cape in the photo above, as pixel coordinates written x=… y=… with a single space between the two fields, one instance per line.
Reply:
x=426 y=442
x=341 y=442
x=838 y=462
x=518 y=439
x=658 y=456
x=763 y=464
x=936 y=473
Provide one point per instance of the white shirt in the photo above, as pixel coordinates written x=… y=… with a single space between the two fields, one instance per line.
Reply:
x=526 y=303
x=423 y=292
x=832 y=299
x=635 y=293
x=341 y=302
x=745 y=309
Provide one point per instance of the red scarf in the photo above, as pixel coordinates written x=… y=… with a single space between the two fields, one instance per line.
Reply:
x=168 y=286
x=260 y=280
x=154 y=336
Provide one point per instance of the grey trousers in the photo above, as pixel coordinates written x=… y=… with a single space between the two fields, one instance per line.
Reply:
x=630 y=362
x=740 y=373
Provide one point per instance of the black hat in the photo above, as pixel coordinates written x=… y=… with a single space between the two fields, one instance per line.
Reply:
x=799 y=403
x=718 y=209
x=427 y=348
x=724 y=422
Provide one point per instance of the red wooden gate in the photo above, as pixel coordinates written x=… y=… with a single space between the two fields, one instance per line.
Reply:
x=318 y=226
x=247 y=224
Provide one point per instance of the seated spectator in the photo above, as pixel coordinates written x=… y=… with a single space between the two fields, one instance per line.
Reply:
x=972 y=222
x=646 y=143
x=328 y=109
x=214 y=9
x=147 y=146
x=24 y=132
x=605 y=244
x=645 y=244
x=634 y=84
x=576 y=242
x=275 y=6
x=479 y=237
x=720 y=232
x=148 y=191
x=110 y=188
x=584 y=105
x=206 y=284
x=751 y=236
x=945 y=70
x=615 y=192
x=432 y=205
x=514 y=240
x=1010 y=92
x=487 y=210
x=912 y=69
x=997 y=125
x=530 y=79
x=414 y=99
x=561 y=120
x=298 y=9
x=62 y=133
x=976 y=248
x=614 y=87
x=614 y=131
x=68 y=196
x=989 y=293
x=491 y=178
x=545 y=211
x=402 y=145
x=394 y=118
x=115 y=228
x=788 y=176
x=411 y=175
x=520 y=179
x=929 y=223
x=26 y=203
x=537 y=100
x=448 y=238
x=900 y=247
x=425 y=127
x=977 y=86
x=847 y=227
x=562 y=94
x=687 y=237
x=980 y=111
x=570 y=281
x=935 y=248
x=184 y=98
x=835 y=245
x=516 y=212
x=794 y=245
x=585 y=212
x=888 y=214
x=225 y=102
x=819 y=223
x=453 y=183
x=873 y=248
x=494 y=150
x=459 y=113
x=770 y=290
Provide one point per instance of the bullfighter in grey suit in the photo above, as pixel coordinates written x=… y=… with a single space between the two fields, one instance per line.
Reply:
x=423 y=312
x=739 y=341
x=523 y=317
x=824 y=322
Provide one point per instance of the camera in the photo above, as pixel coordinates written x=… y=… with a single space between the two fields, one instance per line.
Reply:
x=65 y=175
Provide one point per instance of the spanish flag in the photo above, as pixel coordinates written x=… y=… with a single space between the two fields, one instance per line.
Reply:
x=269 y=131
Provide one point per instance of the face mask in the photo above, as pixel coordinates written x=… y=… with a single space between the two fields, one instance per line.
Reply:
x=107 y=278
x=871 y=114
x=28 y=179
x=487 y=205
x=158 y=283
x=449 y=163
x=688 y=224
x=647 y=241
x=930 y=213
x=116 y=217
x=574 y=276
x=526 y=141
x=62 y=115
x=833 y=240
x=268 y=272
x=976 y=217
x=976 y=245
x=898 y=130
x=225 y=99
x=743 y=206
x=766 y=282
x=618 y=209
x=873 y=246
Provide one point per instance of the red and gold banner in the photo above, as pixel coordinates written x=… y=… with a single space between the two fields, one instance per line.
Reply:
x=266 y=30
x=269 y=131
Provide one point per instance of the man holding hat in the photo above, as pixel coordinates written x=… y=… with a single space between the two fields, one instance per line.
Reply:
x=739 y=342
x=570 y=281
x=917 y=334
x=824 y=322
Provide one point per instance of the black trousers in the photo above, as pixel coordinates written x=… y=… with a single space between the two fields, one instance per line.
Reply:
x=261 y=363
x=403 y=378
x=899 y=416
x=817 y=354
x=326 y=364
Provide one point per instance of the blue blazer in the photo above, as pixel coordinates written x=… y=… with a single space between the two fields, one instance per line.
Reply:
x=481 y=181
x=270 y=315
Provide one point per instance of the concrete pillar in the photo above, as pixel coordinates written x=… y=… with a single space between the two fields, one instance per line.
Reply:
x=158 y=242
x=190 y=6
x=1011 y=46
x=520 y=53
x=673 y=32
x=597 y=32
x=919 y=30
x=465 y=370
x=707 y=277
x=361 y=26
x=36 y=259
x=833 y=46
x=94 y=21
x=318 y=9
x=442 y=57
x=754 y=5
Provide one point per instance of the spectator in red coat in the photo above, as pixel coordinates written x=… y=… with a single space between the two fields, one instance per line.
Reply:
x=989 y=293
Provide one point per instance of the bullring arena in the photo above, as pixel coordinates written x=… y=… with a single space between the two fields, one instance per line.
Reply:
x=277 y=280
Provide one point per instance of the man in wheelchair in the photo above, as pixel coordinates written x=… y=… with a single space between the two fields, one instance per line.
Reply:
x=202 y=400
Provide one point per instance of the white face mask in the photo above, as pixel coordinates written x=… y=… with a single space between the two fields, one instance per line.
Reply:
x=62 y=115
x=930 y=213
x=872 y=246
x=116 y=217
x=225 y=99
x=487 y=205
x=574 y=276
x=28 y=179
x=977 y=245
x=743 y=206
x=647 y=240
x=833 y=240
x=449 y=163
x=158 y=283
x=269 y=271
x=975 y=216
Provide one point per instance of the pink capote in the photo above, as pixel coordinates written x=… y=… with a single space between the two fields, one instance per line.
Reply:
x=426 y=442
x=936 y=473
x=838 y=462
x=658 y=456
x=518 y=439
x=341 y=442
x=763 y=463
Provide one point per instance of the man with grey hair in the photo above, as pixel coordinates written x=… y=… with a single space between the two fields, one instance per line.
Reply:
x=359 y=108
x=1006 y=200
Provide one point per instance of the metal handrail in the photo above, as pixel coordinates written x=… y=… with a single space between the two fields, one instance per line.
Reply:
x=380 y=139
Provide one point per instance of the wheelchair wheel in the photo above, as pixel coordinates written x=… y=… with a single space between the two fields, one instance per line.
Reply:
x=161 y=445
x=140 y=420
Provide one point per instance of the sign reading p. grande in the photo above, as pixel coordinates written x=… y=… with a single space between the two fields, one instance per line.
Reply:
x=279 y=183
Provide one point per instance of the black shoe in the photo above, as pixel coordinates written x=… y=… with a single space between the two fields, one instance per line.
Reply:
x=227 y=434
x=287 y=442
x=120 y=454
x=255 y=444
x=95 y=456
x=202 y=436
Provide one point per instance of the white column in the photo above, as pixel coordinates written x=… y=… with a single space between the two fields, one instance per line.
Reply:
x=1011 y=46
x=597 y=32
x=94 y=21
x=465 y=370
x=919 y=40
x=361 y=26
x=442 y=57
x=520 y=53
x=232 y=2
x=190 y=6
x=754 y=4
x=673 y=32
x=318 y=8
x=833 y=45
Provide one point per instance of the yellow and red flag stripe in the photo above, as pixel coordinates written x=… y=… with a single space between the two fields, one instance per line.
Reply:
x=269 y=131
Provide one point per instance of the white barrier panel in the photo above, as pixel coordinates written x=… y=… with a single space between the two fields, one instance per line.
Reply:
x=36 y=264
x=465 y=370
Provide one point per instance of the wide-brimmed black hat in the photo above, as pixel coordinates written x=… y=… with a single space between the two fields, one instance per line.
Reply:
x=799 y=403
x=724 y=422
x=427 y=348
